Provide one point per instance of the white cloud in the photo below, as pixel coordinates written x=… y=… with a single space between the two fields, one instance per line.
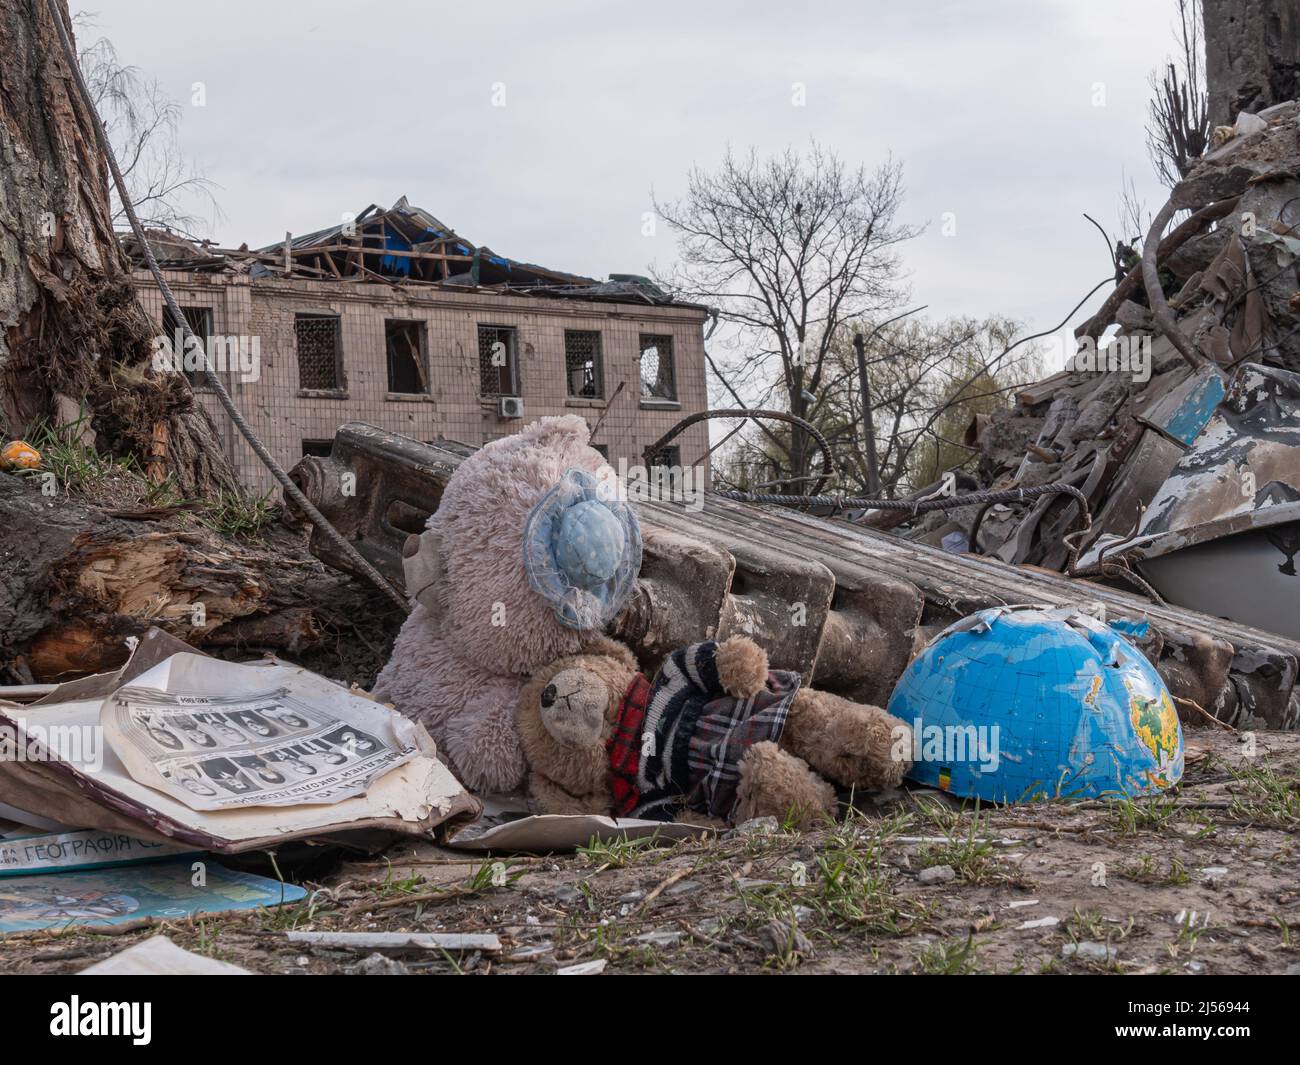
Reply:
x=317 y=108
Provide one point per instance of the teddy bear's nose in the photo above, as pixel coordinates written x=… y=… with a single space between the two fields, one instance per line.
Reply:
x=548 y=695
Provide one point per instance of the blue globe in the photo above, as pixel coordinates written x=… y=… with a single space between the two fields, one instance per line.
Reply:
x=1014 y=704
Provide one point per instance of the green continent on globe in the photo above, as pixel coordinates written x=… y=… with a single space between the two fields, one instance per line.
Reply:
x=1156 y=724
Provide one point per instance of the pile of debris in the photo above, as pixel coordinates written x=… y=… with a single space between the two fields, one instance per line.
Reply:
x=1179 y=427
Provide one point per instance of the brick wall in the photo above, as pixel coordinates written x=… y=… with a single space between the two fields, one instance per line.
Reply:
x=284 y=416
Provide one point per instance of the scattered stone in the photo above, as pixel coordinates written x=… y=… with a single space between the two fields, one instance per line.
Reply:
x=1041 y=922
x=683 y=887
x=635 y=895
x=379 y=965
x=937 y=874
x=1015 y=904
x=1214 y=872
x=780 y=938
x=746 y=883
x=1089 y=950
x=662 y=938
x=537 y=950
x=568 y=895
x=756 y=826
x=585 y=968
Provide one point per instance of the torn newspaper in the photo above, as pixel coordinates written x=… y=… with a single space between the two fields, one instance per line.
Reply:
x=220 y=736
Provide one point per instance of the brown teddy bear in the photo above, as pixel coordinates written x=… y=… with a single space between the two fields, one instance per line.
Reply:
x=716 y=733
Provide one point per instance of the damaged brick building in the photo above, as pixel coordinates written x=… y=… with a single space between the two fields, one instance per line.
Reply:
x=394 y=319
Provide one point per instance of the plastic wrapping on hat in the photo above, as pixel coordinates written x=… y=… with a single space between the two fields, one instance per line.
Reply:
x=582 y=551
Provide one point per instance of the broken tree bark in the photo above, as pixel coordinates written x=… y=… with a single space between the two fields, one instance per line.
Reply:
x=82 y=580
x=75 y=344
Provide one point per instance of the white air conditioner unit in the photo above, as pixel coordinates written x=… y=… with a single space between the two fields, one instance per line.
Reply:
x=510 y=407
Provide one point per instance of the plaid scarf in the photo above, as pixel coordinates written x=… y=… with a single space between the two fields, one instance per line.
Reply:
x=679 y=742
x=624 y=747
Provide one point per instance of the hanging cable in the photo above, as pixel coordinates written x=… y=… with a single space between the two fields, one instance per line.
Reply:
x=209 y=375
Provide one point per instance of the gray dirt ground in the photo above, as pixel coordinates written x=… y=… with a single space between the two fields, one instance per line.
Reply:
x=1203 y=880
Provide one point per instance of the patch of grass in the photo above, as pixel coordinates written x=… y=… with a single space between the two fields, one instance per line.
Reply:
x=949 y=957
x=394 y=886
x=940 y=814
x=1131 y=817
x=1147 y=870
x=620 y=852
x=971 y=858
x=1285 y=934
x=77 y=467
x=847 y=885
x=491 y=875
x=1265 y=796
x=1089 y=925
x=234 y=514
x=1190 y=930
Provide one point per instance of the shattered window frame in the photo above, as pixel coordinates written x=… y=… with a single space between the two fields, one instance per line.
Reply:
x=415 y=332
x=507 y=377
x=670 y=455
x=201 y=321
x=663 y=388
x=582 y=355
x=668 y=458
x=301 y=320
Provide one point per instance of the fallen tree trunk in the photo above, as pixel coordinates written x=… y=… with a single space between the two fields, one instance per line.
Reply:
x=87 y=579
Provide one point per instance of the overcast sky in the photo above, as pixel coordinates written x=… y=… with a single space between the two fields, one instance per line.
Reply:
x=1014 y=115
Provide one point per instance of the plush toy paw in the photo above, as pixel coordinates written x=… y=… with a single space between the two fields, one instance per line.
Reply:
x=775 y=783
x=742 y=667
x=859 y=746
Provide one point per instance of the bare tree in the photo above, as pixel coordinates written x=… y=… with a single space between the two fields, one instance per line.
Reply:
x=1178 y=124
x=928 y=380
x=143 y=124
x=788 y=248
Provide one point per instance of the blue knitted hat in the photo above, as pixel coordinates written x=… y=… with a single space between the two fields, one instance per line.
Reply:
x=582 y=551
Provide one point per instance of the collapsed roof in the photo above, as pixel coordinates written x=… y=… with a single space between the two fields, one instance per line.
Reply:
x=402 y=245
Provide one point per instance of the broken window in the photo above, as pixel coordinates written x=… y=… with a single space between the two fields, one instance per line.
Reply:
x=658 y=380
x=670 y=456
x=407 y=371
x=666 y=470
x=199 y=319
x=498 y=361
x=582 y=364
x=320 y=352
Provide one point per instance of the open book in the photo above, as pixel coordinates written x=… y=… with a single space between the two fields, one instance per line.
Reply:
x=180 y=747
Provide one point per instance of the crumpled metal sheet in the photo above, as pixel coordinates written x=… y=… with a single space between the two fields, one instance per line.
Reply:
x=1242 y=472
